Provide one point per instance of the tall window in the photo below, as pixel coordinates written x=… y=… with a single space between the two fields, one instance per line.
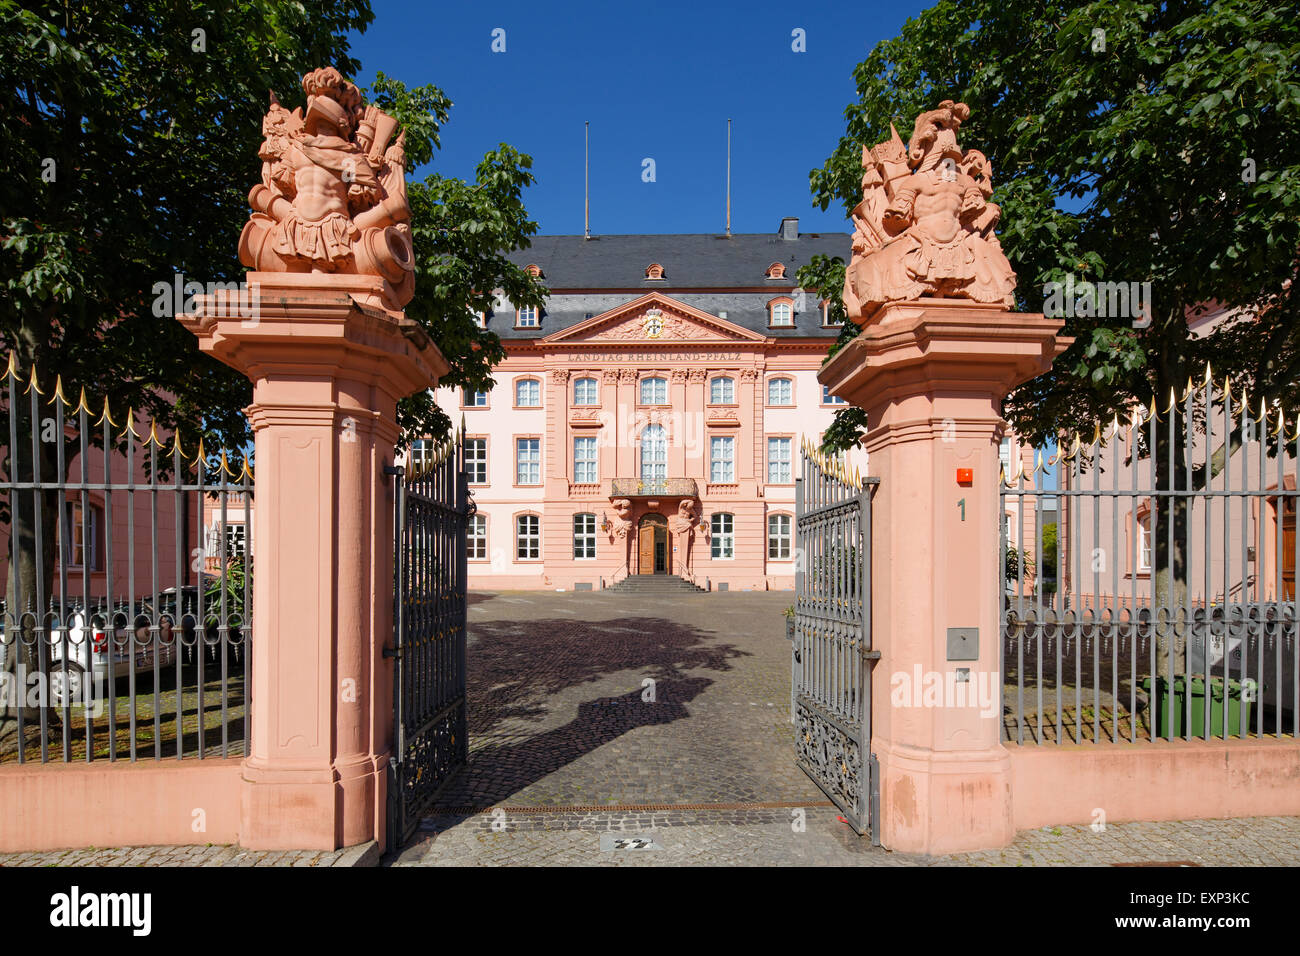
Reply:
x=85 y=539
x=778 y=537
x=722 y=391
x=527 y=317
x=1144 y=542
x=654 y=455
x=236 y=541
x=476 y=472
x=782 y=314
x=780 y=391
x=476 y=538
x=1004 y=455
x=654 y=391
x=528 y=393
x=829 y=399
x=586 y=392
x=528 y=537
x=584 y=536
x=422 y=453
x=585 y=471
x=722 y=459
x=476 y=399
x=528 y=461
x=778 y=461
x=722 y=533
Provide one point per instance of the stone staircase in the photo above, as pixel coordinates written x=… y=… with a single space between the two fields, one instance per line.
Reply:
x=655 y=584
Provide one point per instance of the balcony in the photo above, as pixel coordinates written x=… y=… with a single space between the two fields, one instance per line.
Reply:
x=667 y=488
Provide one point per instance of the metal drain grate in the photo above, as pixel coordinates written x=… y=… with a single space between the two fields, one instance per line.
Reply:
x=631 y=808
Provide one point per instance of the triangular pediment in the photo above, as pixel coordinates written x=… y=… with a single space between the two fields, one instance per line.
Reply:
x=654 y=318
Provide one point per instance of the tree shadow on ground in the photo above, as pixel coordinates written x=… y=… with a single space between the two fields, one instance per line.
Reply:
x=515 y=669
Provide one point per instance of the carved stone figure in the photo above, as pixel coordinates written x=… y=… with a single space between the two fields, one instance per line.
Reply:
x=333 y=192
x=623 y=514
x=925 y=226
x=684 y=520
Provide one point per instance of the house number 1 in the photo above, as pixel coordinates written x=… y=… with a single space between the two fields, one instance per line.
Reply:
x=962 y=505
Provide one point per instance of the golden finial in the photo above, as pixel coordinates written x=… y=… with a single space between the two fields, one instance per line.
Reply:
x=130 y=423
x=247 y=472
x=153 y=434
x=13 y=365
x=81 y=403
x=105 y=416
x=32 y=384
x=198 y=454
x=176 y=444
x=58 y=392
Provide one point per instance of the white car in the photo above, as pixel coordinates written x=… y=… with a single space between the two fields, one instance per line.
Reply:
x=103 y=651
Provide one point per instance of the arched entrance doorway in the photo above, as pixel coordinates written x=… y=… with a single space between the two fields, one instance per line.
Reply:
x=652 y=545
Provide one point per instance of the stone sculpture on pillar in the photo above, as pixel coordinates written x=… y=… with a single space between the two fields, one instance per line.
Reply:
x=938 y=352
x=330 y=354
x=925 y=226
x=333 y=191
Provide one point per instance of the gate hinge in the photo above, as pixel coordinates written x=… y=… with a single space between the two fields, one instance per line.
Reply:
x=871 y=655
x=392 y=651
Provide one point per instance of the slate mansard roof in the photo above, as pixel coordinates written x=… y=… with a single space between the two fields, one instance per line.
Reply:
x=715 y=273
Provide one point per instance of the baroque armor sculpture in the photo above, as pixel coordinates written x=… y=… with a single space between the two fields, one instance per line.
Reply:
x=925 y=226
x=333 y=192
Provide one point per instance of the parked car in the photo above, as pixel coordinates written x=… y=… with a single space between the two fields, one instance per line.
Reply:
x=106 y=645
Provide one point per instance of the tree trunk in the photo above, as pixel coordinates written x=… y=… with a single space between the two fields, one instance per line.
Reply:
x=1170 y=531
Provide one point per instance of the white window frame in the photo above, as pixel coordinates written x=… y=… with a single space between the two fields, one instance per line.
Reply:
x=789 y=390
x=528 y=537
x=595 y=391
x=584 y=536
x=829 y=399
x=783 y=460
x=654 y=454
x=722 y=468
x=528 y=454
x=586 y=460
x=475 y=399
x=476 y=461
x=1145 y=549
x=779 y=537
x=476 y=538
x=533 y=387
x=722 y=390
x=784 y=309
x=722 y=535
x=656 y=386
x=527 y=317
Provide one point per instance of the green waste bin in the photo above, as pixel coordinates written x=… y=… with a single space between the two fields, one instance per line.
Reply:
x=1161 y=698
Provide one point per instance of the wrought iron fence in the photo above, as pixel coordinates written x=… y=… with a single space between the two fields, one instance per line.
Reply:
x=431 y=511
x=128 y=590
x=832 y=657
x=1162 y=605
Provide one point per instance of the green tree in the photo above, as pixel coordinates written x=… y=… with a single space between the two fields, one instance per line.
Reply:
x=131 y=142
x=1129 y=142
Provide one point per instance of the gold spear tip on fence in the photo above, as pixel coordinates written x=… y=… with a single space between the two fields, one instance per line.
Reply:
x=58 y=392
x=105 y=416
x=130 y=423
x=153 y=434
x=247 y=472
x=176 y=444
x=32 y=384
x=1209 y=374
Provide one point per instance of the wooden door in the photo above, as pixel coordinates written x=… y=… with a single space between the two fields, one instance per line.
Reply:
x=646 y=557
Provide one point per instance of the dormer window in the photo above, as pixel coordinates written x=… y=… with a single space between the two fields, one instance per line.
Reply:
x=534 y=270
x=827 y=319
x=654 y=271
x=526 y=318
x=781 y=313
x=776 y=271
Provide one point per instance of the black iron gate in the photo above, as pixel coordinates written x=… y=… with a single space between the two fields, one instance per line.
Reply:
x=430 y=511
x=832 y=655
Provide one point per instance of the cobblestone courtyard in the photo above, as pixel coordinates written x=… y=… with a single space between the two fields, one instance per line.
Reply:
x=574 y=761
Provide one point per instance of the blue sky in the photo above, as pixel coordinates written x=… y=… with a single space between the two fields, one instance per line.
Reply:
x=656 y=80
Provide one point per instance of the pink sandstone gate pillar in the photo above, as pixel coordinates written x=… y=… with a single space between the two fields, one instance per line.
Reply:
x=327 y=374
x=329 y=352
x=931 y=371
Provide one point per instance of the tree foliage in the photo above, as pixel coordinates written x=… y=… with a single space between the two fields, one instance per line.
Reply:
x=1130 y=142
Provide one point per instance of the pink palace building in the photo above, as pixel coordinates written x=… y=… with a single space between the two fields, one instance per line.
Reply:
x=648 y=420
